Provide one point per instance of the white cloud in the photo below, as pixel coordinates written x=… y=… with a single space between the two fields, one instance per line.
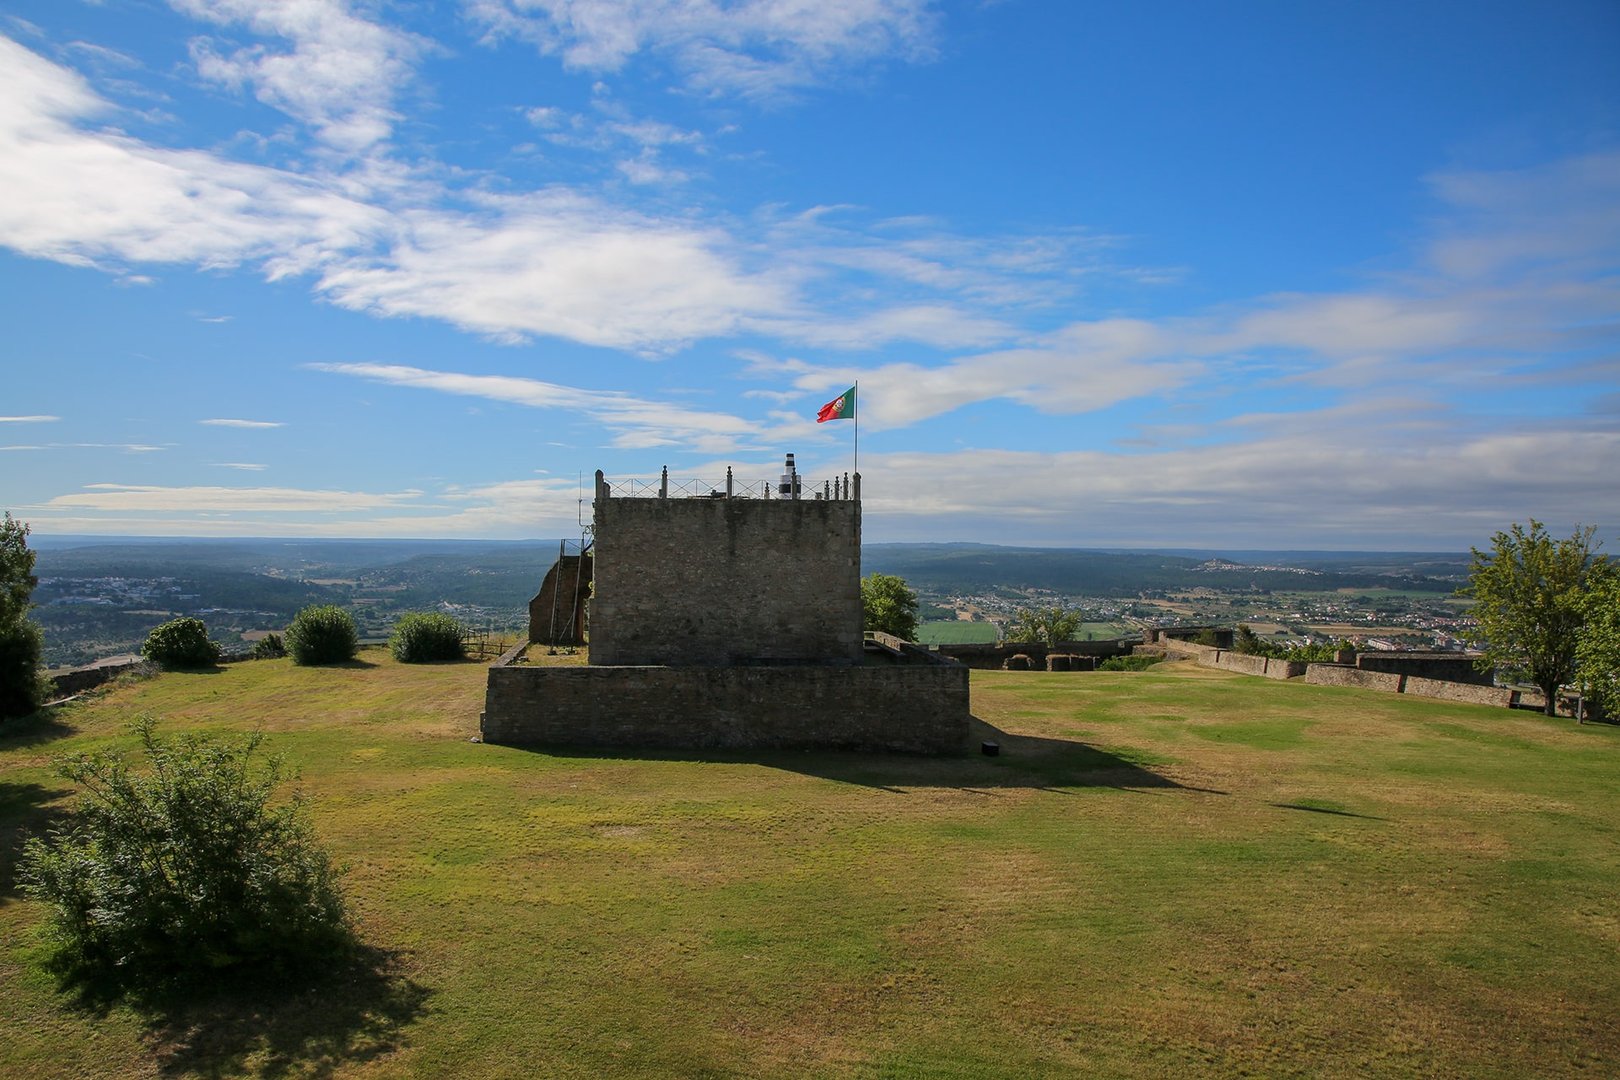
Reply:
x=749 y=48
x=561 y=264
x=130 y=498
x=1337 y=481
x=242 y=465
x=340 y=76
x=225 y=422
x=28 y=419
x=635 y=422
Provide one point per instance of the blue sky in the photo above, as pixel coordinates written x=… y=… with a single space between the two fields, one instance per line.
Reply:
x=1326 y=275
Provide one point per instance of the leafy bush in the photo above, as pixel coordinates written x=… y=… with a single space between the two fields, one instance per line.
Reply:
x=181 y=643
x=269 y=647
x=424 y=636
x=1129 y=663
x=185 y=873
x=321 y=634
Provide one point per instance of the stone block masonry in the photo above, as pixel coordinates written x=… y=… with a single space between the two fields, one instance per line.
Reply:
x=698 y=581
x=910 y=708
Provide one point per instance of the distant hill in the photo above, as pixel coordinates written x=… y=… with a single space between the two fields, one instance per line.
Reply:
x=970 y=568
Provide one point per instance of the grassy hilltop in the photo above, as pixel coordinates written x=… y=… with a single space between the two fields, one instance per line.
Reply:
x=1180 y=871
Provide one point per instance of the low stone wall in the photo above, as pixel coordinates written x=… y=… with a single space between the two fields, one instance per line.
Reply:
x=1429 y=666
x=988 y=657
x=1189 y=650
x=912 y=708
x=78 y=680
x=1499 y=696
x=1344 y=675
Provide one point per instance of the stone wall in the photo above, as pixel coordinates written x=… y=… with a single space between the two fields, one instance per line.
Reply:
x=912 y=708
x=1500 y=696
x=1344 y=675
x=557 y=612
x=78 y=680
x=1433 y=666
x=711 y=581
x=988 y=657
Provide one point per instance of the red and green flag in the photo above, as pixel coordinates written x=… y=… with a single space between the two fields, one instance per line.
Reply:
x=841 y=407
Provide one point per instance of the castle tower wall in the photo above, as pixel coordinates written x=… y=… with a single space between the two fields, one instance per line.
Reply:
x=703 y=582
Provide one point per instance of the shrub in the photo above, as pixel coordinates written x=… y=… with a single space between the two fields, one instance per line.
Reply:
x=269 y=647
x=423 y=636
x=321 y=634
x=180 y=643
x=185 y=873
x=1129 y=663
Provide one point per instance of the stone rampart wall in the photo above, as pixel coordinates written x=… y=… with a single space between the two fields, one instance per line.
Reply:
x=988 y=657
x=1500 y=696
x=1344 y=675
x=1435 y=667
x=728 y=580
x=78 y=680
x=912 y=708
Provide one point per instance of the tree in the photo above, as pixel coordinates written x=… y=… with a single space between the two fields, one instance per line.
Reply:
x=181 y=643
x=889 y=606
x=1530 y=595
x=185 y=872
x=1597 y=651
x=22 y=644
x=1044 y=625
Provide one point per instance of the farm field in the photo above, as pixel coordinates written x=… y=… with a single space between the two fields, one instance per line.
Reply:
x=1175 y=872
x=955 y=632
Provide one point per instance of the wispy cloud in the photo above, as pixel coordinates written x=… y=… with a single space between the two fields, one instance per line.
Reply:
x=128 y=448
x=226 y=422
x=634 y=422
x=28 y=419
x=243 y=465
x=761 y=49
x=127 y=498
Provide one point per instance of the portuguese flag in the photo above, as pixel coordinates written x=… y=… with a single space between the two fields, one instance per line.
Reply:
x=841 y=407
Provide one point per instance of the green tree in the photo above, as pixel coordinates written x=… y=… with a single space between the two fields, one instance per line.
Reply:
x=185 y=872
x=1597 y=651
x=889 y=606
x=1047 y=626
x=22 y=644
x=1530 y=594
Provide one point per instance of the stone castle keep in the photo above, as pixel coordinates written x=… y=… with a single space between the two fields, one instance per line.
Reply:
x=729 y=620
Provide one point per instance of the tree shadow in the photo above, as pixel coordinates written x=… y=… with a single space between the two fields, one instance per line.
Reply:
x=26 y=809
x=46 y=725
x=1325 y=810
x=352 y=1014
x=1023 y=761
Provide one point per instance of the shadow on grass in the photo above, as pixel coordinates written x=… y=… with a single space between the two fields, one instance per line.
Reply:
x=1024 y=761
x=46 y=725
x=1325 y=810
x=25 y=810
x=352 y=1015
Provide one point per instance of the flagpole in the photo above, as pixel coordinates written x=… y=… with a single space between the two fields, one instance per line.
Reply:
x=857 y=427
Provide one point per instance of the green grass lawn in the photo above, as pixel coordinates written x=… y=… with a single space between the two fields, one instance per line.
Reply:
x=1175 y=872
x=956 y=632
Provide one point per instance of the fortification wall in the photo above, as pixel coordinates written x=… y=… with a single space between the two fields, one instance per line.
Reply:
x=1500 y=696
x=912 y=708
x=1344 y=675
x=1438 y=667
x=721 y=581
x=988 y=657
